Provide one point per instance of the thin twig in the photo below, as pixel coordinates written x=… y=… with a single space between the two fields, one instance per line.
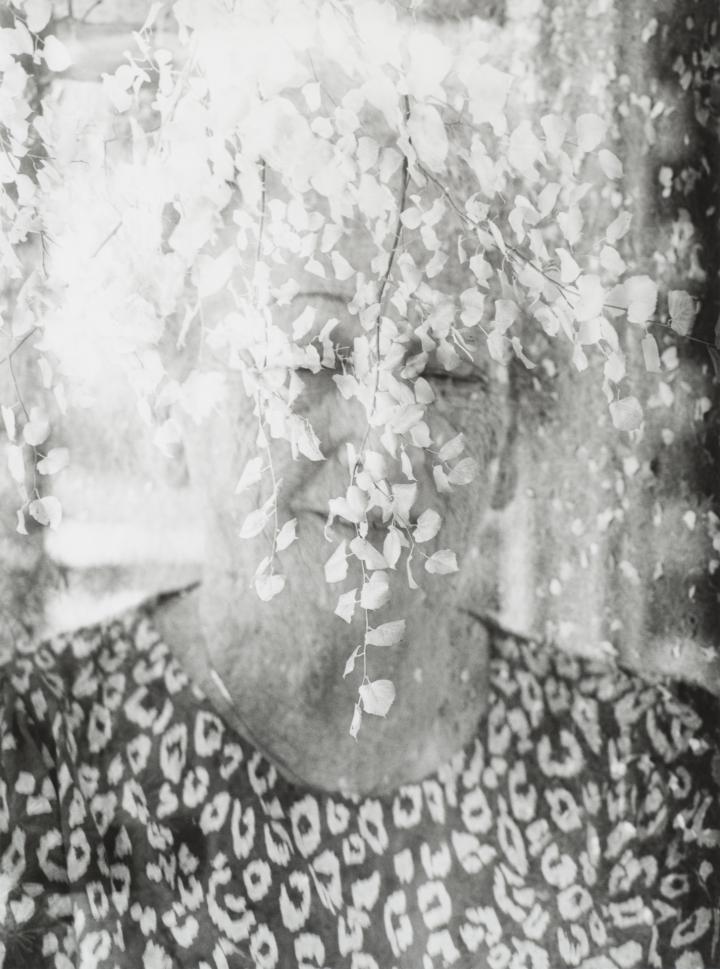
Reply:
x=261 y=227
x=381 y=296
x=391 y=261
x=478 y=225
x=666 y=326
x=17 y=388
x=18 y=345
x=107 y=239
x=88 y=11
x=685 y=336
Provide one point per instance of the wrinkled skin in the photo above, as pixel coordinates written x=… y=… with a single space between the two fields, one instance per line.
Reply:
x=282 y=661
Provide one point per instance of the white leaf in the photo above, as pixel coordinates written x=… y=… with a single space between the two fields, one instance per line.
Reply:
x=579 y=358
x=651 y=354
x=610 y=164
x=487 y=89
x=406 y=464
x=591 y=298
x=286 y=536
x=56 y=459
x=309 y=444
x=152 y=13
x=590 y=130
x=38 y=13
x=336 y=568
x=211 y=274
x=46 y=511
x=627 y=414
x=57 y=56
x=406 y=417
x=16 y=462
x=547 y=198
x=346 y=605
x=555 y=130
x=481 y=270
x=441 y=480
x=37 y=428
x=524 y=150
x=506 y=312
x=473 y=306
x=341 y=267
x=404 y=496
x=341 y=508
x=268 y=586
x=368 y=554
x=498 y=346
x=350 y=664
x=20 y=526
x=357 y=501
x=428 y=136
x=424 y=394
x=464 y=472
x=428 y=525
x=430 y=60
x=682 y=309
x=411 y=218
x=315 y=267
x=614 y=368
x=376 y=591
x=312 y=95
x=254 y=523
x=442 y=562
x=618 y=227
x=392 y=547
x=412 y=584
x=387 y=634
x=252 y=473
x=497 y=236
x=8 y=416
x=302 y=325
x=201 y=393
x=641 y=294
x=569 y=269
x=264 y=565
x=571 y=223
x=356 y=721
x=377 y=697
x=453 y=448
x=611 y=260
x=521 y=355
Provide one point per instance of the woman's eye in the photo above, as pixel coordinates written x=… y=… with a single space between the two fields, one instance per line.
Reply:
x=461 y=376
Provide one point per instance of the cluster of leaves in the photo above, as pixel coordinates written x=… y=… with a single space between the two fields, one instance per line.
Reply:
x=26 y=175
x=375 y=137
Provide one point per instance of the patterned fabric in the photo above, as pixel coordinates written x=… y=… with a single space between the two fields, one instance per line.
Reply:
x=579 y=828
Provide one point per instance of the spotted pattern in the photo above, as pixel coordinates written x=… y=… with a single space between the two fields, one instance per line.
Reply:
x=579 y=828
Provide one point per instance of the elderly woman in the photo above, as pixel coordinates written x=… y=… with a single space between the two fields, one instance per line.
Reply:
x=178 y=786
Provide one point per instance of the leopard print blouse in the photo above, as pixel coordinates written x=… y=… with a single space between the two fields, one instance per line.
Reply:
x=581 y=827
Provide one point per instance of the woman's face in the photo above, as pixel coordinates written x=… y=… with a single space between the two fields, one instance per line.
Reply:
x=288 y=655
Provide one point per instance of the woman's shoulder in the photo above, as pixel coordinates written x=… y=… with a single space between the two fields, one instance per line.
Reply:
x=64 y=663
x=605 y=700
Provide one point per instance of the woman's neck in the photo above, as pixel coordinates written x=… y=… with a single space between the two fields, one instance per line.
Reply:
x=296 y=711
